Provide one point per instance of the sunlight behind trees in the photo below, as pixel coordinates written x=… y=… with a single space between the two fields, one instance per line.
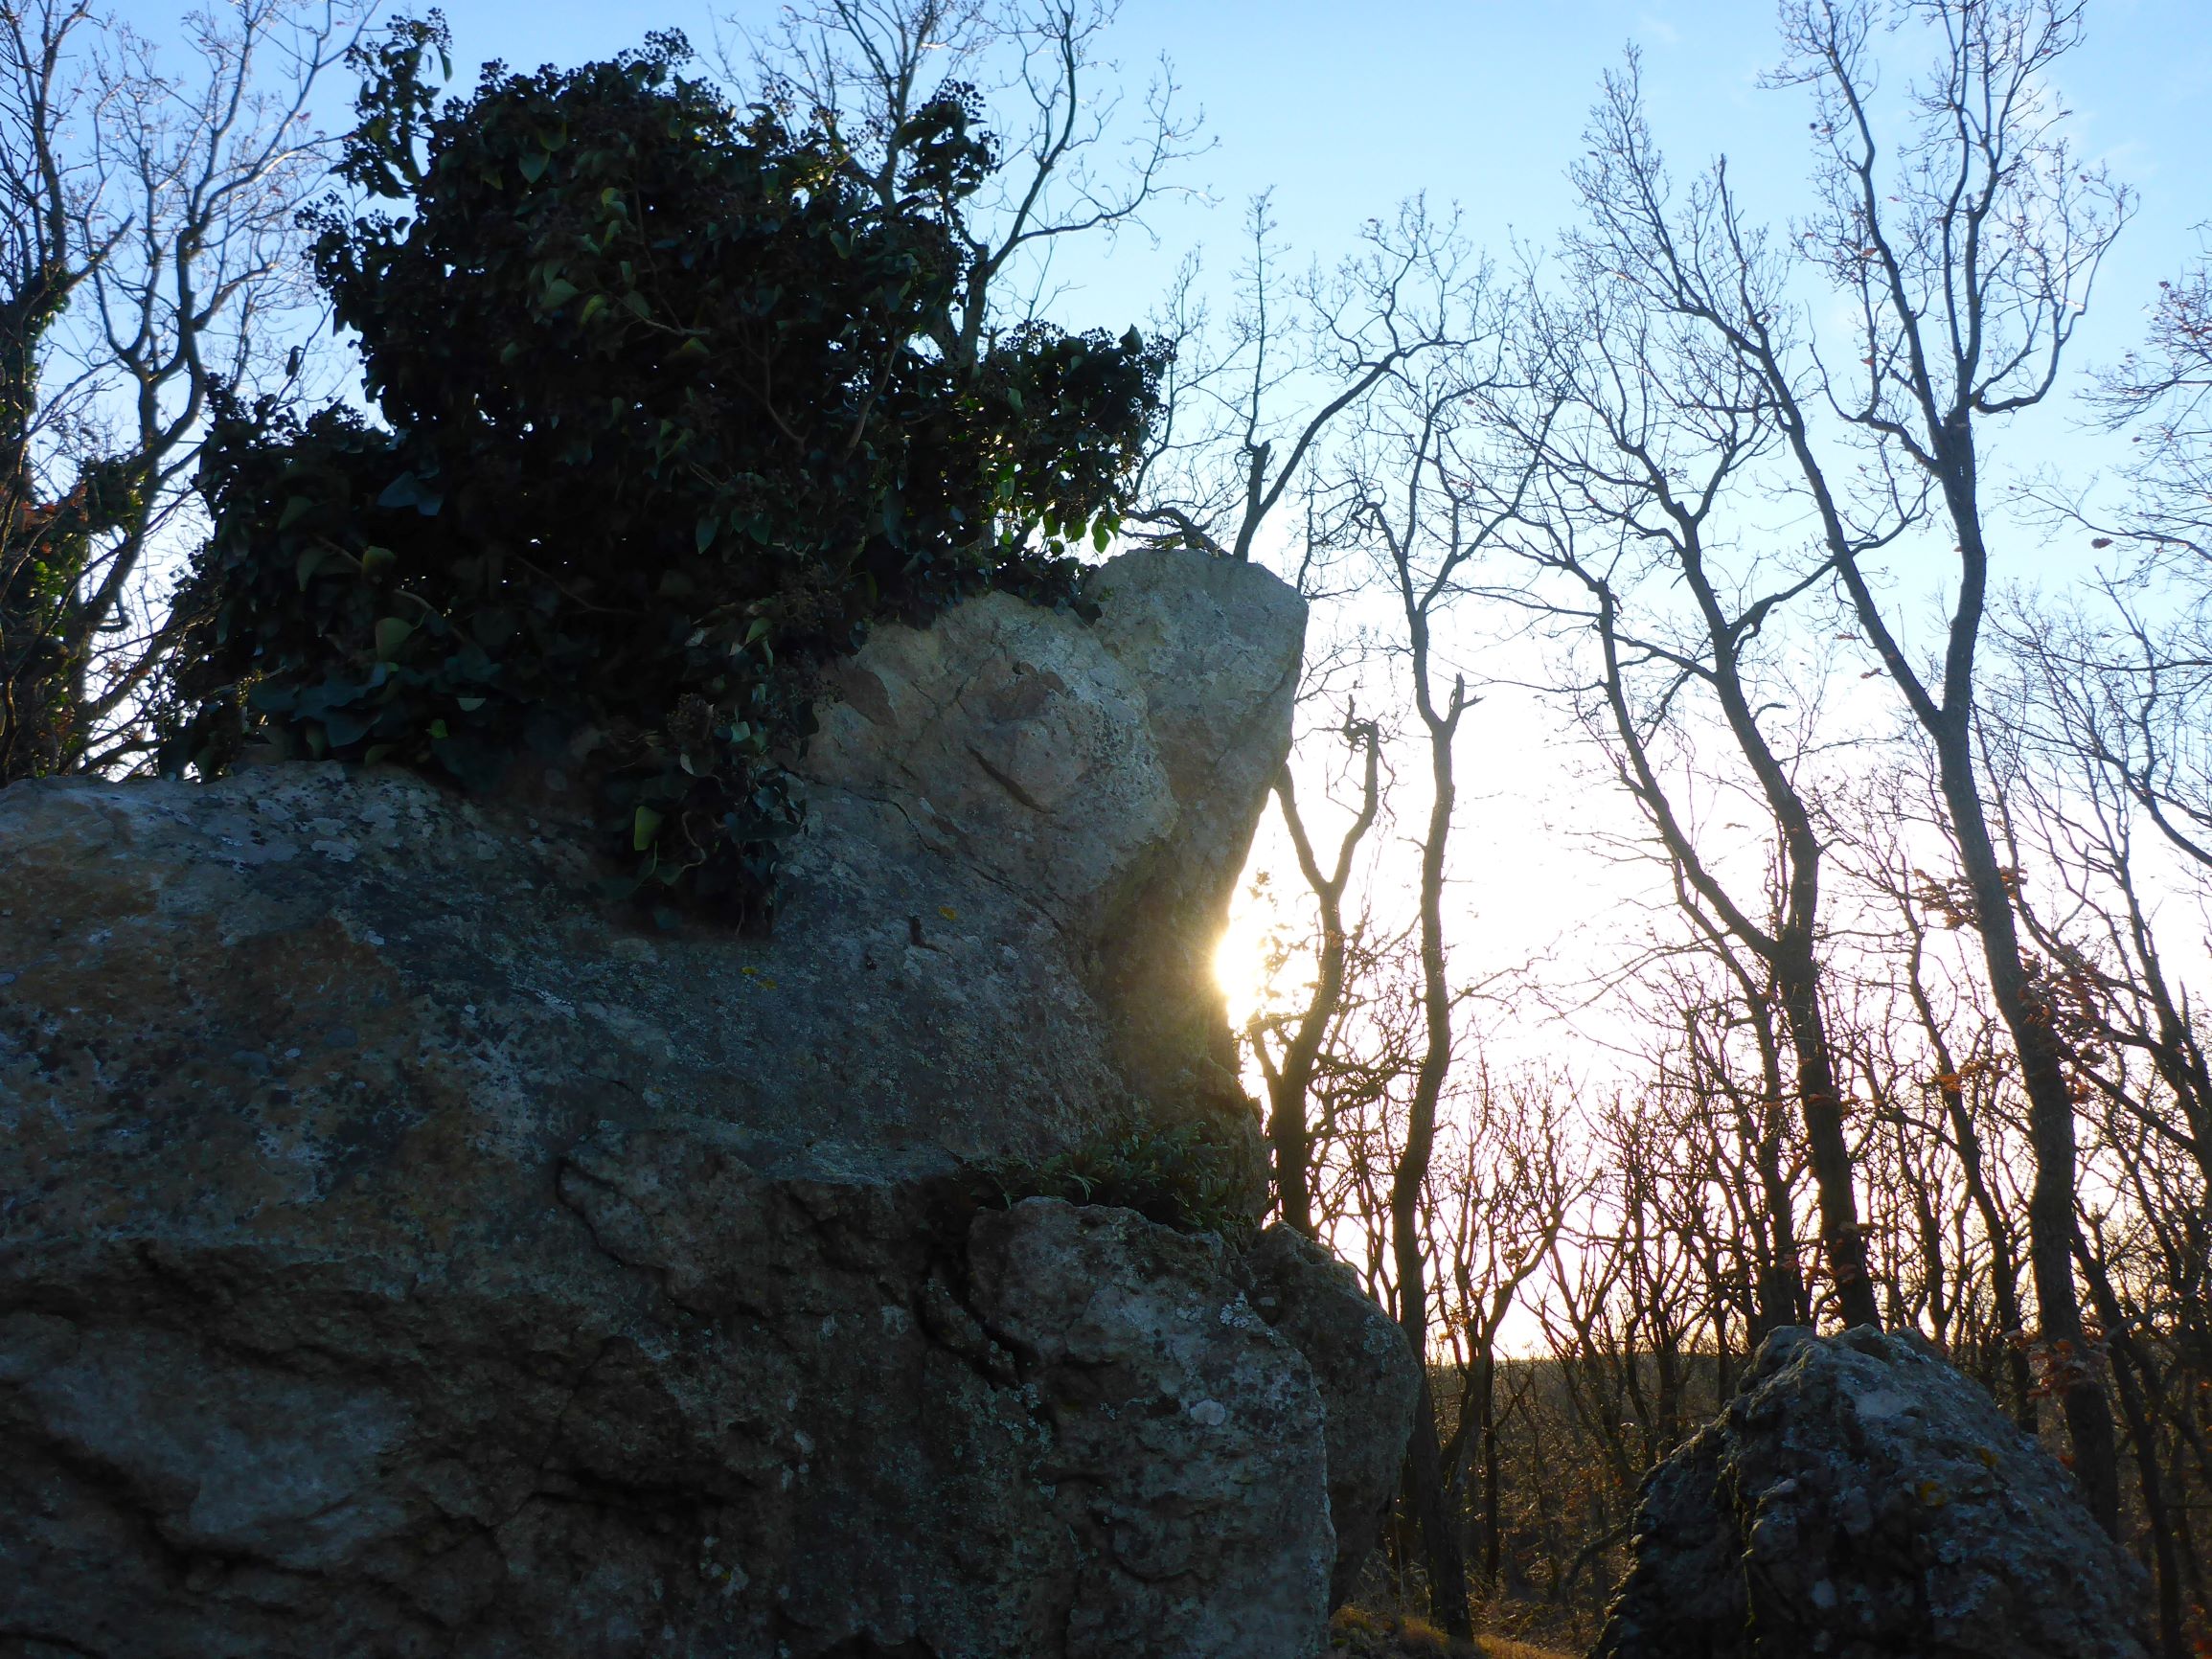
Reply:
x=1746 y=860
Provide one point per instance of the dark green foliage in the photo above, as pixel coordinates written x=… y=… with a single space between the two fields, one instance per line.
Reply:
x=666 y=428
x=1188 y=1177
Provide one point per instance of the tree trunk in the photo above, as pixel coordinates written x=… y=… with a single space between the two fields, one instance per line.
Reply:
x=1289 y=1130
x=2051 y=1223
x=1424 y=1465
x=1491 y=1543
x=1828 y=1152
x=2131 y=1370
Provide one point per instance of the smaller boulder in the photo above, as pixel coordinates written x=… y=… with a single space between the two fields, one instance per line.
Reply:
x=1860 y=1497
x=1366 y=1375
x=1187 y=1452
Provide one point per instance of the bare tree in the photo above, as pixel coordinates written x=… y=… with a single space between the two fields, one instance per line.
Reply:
x=1413 y=497
x=1214 y=484
x=2125 y=671
x=1245 y=413
x=1502 y=1202
x=1965 y=261
x=1959 y=1080
x=1301 y=1036
x=1647 y=435
x=2134 y=1045
x=1035 y=76
x=1699 y=1022
x=151 y=264
x=2123 y=682
x=2163 y=394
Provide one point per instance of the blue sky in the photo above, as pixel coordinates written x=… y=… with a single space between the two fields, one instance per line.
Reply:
x=1344 y=109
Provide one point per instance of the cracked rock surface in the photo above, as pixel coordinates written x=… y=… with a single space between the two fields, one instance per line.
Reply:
x=1859 y=1499
x=400 y=1254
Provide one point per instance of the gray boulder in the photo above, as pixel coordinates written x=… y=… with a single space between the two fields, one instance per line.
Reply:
x=1113 y=773
x=1861 y=1498
x=1369 y=1386
x=402 y=1254
x=1185 y=640
x=1185 y=1430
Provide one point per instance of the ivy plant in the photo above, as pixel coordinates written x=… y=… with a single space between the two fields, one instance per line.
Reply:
x=661 y=426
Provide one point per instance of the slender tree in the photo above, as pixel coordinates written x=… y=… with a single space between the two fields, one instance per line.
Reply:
x=1647 y=438
x=1409 y=502
x=1965 y=261
x=151 y=264
x=1290 y=1074
x=1250 y=405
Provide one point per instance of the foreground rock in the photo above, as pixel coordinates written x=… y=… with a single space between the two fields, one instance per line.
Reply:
x=1368 y=1386
x=1861 y=1498
x=401 y=1256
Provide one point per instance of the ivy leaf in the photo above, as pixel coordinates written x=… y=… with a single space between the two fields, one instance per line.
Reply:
x=566 y=588
x=347 y=727
x=409 y=491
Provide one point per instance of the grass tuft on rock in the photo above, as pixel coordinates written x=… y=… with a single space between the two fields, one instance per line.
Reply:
x=1187 y=1177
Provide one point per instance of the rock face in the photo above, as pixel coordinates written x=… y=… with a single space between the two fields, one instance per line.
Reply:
x=1184 y=1429
x=1861 y=1498
x=401 y=1254
x=1113 y=774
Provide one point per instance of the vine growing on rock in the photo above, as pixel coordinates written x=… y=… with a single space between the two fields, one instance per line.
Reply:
x=664 y=427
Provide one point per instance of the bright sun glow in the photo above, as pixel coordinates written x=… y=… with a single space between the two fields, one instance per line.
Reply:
x=1241 y=958
x=1237 y=970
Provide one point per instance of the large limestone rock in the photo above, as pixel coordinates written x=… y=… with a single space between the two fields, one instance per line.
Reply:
x=1114 y=773
x=1185 y=1430
x=1859 y=1498
x=400 y=1254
